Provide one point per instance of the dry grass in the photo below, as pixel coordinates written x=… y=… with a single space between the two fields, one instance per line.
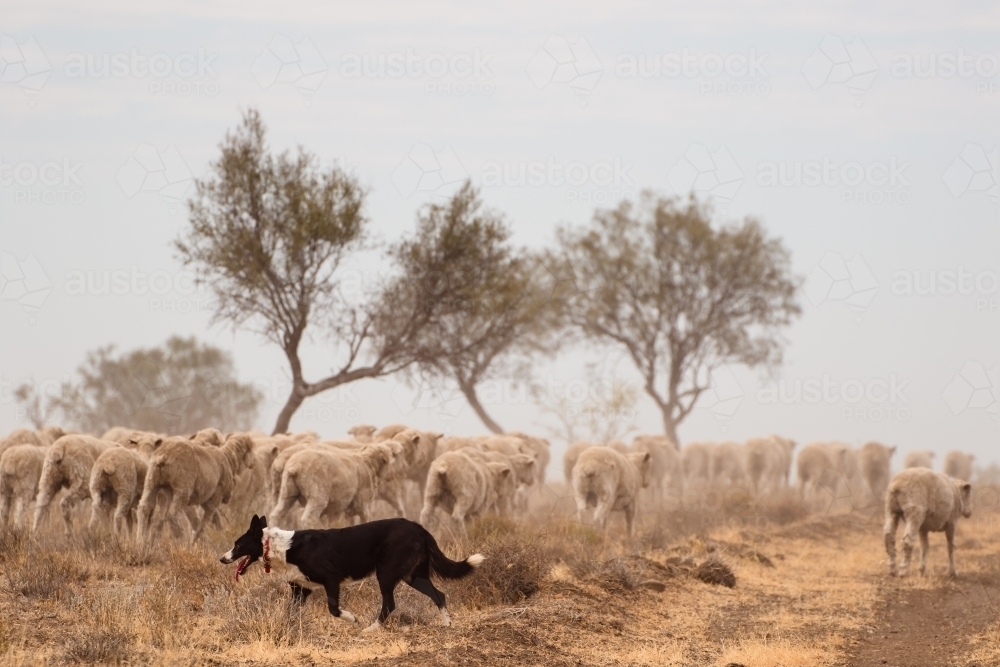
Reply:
x=551 y=591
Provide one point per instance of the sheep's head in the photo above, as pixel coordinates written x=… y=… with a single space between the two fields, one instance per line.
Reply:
x=965 y=497
x=643 y=461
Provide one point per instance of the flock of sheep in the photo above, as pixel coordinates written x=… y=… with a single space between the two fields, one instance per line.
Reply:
x=141 y=481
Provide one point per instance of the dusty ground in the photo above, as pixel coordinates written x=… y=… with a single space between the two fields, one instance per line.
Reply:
x=809 y=591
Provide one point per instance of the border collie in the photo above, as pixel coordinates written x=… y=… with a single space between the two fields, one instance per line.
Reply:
x=394 y=549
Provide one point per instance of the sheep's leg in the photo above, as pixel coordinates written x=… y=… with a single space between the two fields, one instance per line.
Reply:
x=630 y=519
x=41 y=505
x=601 y=513
x=4 y=509
x=19 y=510
x=925 y=546
x=913 y=523
x=122 y=511
x=889 y=530
x=949 y=532
x=66 y=505
x=312 y=515
x=581 y=506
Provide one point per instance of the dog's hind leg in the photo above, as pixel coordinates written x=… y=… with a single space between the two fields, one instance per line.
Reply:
x=333 y=603
x=425 y=586
x=299 y=593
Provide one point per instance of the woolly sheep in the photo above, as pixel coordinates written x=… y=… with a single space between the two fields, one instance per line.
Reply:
x=665 y=467
x=610 y=481
x=362 y=432
x=463 y=485
x=67 y=465
x=570 y=458
x=958 y=465
x=696 y=457
x=116 y=481
x=925 y=501
x=875 y=462
x=20 y=470
x=190 y=474
x=921 y=458
x=728 y=463
x=331 y=482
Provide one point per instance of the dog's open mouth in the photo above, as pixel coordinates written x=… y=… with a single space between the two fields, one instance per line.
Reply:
x=242 y=566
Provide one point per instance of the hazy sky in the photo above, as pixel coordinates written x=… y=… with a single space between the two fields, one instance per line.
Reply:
x=867 y=138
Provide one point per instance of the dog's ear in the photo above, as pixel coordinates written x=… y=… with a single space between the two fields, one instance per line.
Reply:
x=254 y=522
x=263 y=522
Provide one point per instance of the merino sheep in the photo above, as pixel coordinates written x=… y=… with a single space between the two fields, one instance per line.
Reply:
x=921 y=458
x=571 y=456
x=463 y=485
x=20 y=470
x=728 y=463
x=820 y=465
x=665 y=467
x=875 y=462
x=540 y=448
x=190 y=474
x=49 y=434
x=67 y=465
x=331 y=482
x=768 y=461
x=958 y=465
x=926 y=501
x=208 y=436
x=22 y=436
x=116 y=481
x=123 y=436
x=362 y=433
x=696 y=457
x=251 y=492
x=610 y=481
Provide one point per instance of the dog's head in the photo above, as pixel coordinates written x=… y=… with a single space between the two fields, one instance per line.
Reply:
x=249 y=547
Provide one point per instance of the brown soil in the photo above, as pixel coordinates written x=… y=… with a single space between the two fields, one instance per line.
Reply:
x=932 y=626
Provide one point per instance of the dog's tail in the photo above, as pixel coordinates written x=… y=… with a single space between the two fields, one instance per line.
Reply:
x=447 y=568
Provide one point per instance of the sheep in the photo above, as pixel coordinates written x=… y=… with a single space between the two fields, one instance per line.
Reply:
x=20 y=470
x=425 y=453
x=208 y=436
x=463 y=485
x=49 y=434
x=728 y=463
x=116 y=480
x=332 y=482
x=192 y=474
x=362 y=433
x=696 y=457
x=251 y=492
x=819 y=465
x=665 y=462
x=921 y=458
x=958 y=465
x=540 y=449
x=123 y=436
x=67 y=465
x=571 y=456
x=875 y=462
x=22 y=436
x=522 y=474
x=610 y=481
x=926 y=501
x=406 y=450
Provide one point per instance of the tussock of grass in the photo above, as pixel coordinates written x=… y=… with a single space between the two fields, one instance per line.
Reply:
x=46 y=576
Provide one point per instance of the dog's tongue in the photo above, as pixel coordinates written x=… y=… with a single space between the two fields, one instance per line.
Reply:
x=242 y=566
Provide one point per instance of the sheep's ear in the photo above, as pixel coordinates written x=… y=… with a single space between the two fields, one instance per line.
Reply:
x=274 y=449
x=159 y=441
x=647 y=457
x=133 y=441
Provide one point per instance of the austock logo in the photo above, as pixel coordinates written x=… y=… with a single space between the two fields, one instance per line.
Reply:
x=975 y=387
x=149 y=170
x=835 y=61
x=425 y=170
x=23 y=64
x=711 y=173
x=24 y=282
x=560 y=61
x=283 y=61
x=975 y=170
x=852 y=282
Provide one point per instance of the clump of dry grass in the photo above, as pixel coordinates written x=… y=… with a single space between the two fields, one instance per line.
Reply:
x=44 y=575
x=263 y=613
x=516 y=563
x=714 y=570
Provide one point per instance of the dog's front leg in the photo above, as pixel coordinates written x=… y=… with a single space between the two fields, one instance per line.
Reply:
x=333 y=602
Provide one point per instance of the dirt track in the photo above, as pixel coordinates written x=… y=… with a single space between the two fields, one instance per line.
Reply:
x=932 y=625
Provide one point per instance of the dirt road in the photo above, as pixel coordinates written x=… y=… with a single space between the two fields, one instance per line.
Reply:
x=930 y=623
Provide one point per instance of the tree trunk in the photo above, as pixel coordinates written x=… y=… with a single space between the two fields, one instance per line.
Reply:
x=470 y=395
x=293 y=403
x=670 y=427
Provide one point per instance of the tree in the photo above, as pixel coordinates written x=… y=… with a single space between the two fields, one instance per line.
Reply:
x=678 y=296
x=268 y=234
x=37 y=407
x=181 y=387
x=489 y=302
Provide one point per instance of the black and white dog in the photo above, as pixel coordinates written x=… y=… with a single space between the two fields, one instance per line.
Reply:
x=394 y=549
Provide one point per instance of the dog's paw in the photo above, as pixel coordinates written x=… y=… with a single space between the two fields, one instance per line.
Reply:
x=445 y=618
x=374 y=627
x=348 y=616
